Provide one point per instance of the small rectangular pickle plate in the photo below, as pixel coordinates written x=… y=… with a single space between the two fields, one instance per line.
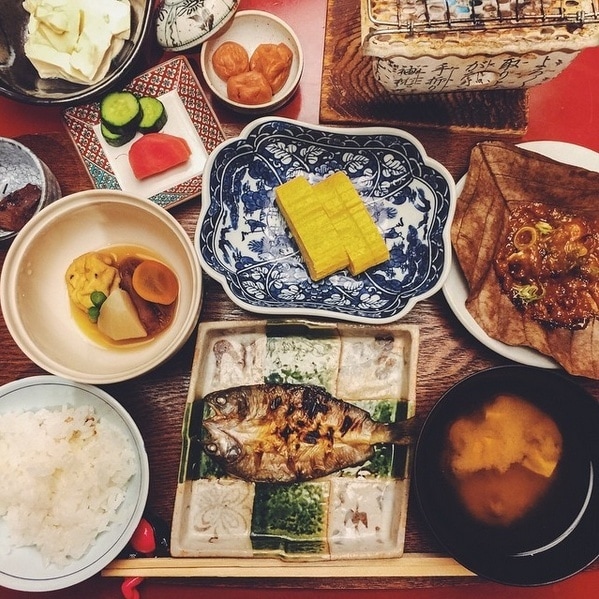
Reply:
x=189 y=117
x=356 y=512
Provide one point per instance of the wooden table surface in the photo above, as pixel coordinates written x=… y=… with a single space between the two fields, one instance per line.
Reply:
x=564 y=109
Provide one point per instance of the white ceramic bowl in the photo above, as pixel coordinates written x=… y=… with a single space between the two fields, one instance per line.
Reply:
x=34 y=297
x=251 y=28
x=23 y=568
x=19 y=166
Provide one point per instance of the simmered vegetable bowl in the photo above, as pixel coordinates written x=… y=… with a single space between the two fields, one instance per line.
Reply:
x=76 y=225
x=127 y=294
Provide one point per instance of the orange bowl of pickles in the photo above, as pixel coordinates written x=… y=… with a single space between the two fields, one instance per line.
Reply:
x=505 y=475
x=255 y=64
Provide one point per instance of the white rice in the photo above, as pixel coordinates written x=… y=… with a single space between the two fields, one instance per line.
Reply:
x=63 y=475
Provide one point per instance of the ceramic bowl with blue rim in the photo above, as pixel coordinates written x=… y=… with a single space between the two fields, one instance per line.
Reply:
x=244 y=242
x=27 y=568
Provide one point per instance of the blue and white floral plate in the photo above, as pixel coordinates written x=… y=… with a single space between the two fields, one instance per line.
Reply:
x=244 y=243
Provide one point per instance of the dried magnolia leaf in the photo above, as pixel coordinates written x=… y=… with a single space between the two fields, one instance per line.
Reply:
x=499 y=177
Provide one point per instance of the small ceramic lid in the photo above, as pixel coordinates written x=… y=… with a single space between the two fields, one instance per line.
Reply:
x=184 y=24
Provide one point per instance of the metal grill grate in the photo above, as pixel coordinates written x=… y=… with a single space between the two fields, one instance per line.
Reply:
x=412 y=17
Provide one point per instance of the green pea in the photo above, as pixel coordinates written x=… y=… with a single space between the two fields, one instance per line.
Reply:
x=93 y=313
x=97 y=298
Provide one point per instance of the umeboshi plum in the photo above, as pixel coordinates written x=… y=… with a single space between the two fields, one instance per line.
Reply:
x=229 y=59
x=274 y=62
x=250 y=88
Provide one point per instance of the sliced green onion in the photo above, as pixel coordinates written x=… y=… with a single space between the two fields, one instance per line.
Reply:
x=528 y=293
x=525 y=237
x=543 y=227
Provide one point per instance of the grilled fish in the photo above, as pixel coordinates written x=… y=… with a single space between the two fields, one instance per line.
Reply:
x=289 y=433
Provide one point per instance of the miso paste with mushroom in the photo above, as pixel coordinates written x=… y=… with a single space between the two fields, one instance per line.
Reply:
x=122 y=295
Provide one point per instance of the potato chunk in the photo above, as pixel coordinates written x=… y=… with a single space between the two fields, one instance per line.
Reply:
x=118 y=317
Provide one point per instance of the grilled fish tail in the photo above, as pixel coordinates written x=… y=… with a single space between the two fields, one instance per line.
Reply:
x=404 y=432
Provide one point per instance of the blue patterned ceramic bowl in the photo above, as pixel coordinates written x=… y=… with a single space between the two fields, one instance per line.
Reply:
x=244 y=243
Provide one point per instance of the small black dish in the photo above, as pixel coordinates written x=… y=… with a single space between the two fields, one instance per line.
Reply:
x=560 y=535
x=20 y=81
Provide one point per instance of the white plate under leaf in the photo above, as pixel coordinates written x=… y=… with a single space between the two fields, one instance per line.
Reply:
x=456 y=287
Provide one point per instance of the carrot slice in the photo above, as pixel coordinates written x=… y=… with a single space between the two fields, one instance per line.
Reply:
x=155 y=282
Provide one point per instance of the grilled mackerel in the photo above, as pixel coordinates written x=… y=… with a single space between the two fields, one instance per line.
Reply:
x=288 y=433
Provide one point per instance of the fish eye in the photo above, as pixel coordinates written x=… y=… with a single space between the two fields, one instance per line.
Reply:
x=211 y=447
x=220 y=400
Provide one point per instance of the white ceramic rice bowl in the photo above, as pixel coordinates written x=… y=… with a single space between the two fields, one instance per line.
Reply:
x=34 y=298
x=23 y=568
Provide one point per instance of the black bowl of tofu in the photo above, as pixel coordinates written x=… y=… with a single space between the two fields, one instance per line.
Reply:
x=53 y=53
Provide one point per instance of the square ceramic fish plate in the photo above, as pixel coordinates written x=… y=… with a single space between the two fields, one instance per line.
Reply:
x=189 y=116
x=357 y=511
x=244 y=242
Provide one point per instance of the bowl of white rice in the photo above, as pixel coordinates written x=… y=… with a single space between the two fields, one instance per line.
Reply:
x=75 y=482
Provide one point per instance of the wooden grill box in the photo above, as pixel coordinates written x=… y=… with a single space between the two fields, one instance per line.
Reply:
x=429 y=46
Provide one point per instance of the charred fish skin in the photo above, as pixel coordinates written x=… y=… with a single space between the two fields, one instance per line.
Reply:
x=287 y=432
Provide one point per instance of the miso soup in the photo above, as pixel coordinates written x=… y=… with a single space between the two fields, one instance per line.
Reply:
x=501 y=459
